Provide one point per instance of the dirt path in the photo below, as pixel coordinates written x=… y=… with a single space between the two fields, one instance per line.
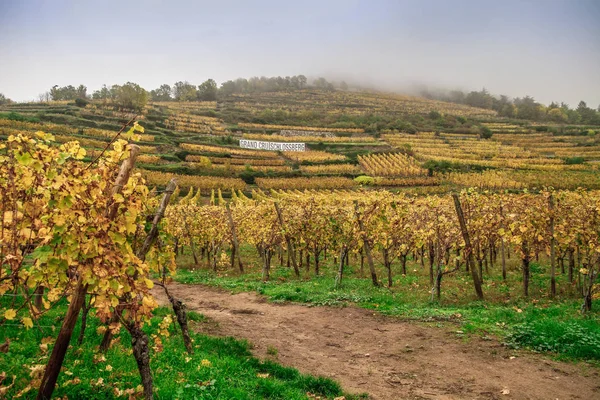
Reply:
x=386 y=358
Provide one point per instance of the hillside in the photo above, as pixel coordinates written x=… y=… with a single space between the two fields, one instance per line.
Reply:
x=388 y=140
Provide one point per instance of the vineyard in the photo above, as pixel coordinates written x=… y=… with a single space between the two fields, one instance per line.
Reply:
x=470 y=233
x=399 y=205
x=199 y=141
x=395 y=164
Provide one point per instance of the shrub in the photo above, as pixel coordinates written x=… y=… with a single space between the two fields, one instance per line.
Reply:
x=434 y=115
x=182 y=154
x=81 y=102
x=13 y=116
x=170 y=157
x=438 y=166
x=410 y=129
x=86 y=122
x=574 y=160
x=364 y=180
x=249 y=176
x=227 y=140
x=485 y=132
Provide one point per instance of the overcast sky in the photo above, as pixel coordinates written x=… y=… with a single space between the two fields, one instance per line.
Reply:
x=549 y=49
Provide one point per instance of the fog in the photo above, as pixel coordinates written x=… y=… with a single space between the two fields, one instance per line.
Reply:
x=547 y=49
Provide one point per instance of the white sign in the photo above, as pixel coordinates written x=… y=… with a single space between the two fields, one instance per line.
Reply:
x=258 y=145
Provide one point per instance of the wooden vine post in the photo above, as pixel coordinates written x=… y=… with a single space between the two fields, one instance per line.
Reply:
x=552 y=247
x=189 y=235
x=178 y=306
x=502 y=249
x=288 y=240
x=139 y=339
x=62 y=342
x=78 y=297
x=340 y=274
x=366 y=245
x=468 y=247
x=235 y=250
x=160 y=213
x=503 y=259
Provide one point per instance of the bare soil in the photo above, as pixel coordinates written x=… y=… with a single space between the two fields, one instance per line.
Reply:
x=383 y=356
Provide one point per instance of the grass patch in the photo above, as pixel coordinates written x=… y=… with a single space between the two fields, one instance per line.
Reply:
x=576 y=339
x=221 y=368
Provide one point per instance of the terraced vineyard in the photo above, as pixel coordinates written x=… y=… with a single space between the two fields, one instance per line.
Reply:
x=352 y=142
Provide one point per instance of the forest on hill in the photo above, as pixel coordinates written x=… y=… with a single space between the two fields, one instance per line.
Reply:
x=132 y=95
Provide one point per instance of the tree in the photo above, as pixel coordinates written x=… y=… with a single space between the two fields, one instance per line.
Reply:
x=301 y=81
x=588 y=115
x=81 y=92
x=322 y=83
x=343 y=85
x=241 y=85
x=573 y=116
x=68 y=92
x=4 y=99
x=163 y=93
x=295 y=82
x=102 y=94
x=528 y=108
x=558 y=115
x=207 y=91
x=456 y=96
x=508 y=110
x=44 y=97
x=481 y=99
x=184 y=91
x=55 y=93
x=228 y=88
x=132 y=96
x=114 y=91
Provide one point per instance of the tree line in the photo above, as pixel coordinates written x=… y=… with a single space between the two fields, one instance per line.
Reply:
x=520 y=107
x=132 y=95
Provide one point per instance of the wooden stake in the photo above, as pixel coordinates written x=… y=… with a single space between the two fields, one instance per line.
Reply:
x=366 y=245
x=468 y=247
x=552 y=248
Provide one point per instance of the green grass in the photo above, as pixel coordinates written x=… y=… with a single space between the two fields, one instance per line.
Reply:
x=15 y=116
x=538 y=322
x=221 y=368
x=575 y=339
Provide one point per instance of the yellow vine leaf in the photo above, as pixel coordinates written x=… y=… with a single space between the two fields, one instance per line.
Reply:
x=10 y=314
x=27 y=322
